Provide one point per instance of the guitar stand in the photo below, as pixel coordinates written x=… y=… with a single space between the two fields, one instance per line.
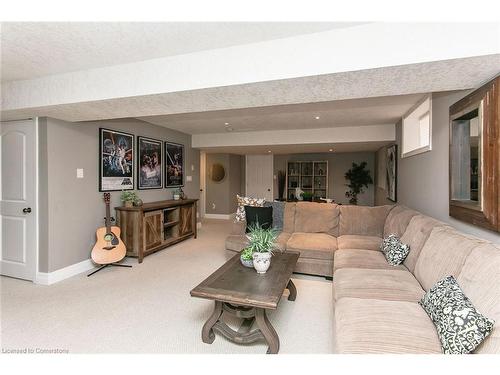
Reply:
x=110 y=264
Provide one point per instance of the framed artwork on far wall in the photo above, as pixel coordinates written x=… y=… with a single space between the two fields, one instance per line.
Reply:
x=116 y=160
x=174 y=165
x=391 y=172
x=149 y=163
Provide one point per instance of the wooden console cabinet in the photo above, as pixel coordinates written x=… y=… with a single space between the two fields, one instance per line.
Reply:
x=156 y=225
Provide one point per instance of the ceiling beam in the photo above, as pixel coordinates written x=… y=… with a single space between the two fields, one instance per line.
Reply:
x=369 y=46
x=348 y=134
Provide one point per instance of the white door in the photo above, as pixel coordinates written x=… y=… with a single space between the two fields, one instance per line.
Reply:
x=259 y=176
x=18 y=218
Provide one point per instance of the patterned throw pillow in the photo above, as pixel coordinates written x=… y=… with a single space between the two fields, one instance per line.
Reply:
x=460 y=327
x=394 y=250
x=247 y=201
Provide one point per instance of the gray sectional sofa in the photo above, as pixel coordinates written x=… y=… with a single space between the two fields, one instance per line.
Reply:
x=376 y=306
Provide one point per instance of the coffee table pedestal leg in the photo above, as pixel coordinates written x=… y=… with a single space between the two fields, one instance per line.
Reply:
x=267 y=331
x=293 y=291
x=243 y=336
x=207 y=333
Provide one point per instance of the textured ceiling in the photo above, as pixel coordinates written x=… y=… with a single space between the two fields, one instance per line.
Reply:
x=354 y=112
x=457 y=74
x=35 y=49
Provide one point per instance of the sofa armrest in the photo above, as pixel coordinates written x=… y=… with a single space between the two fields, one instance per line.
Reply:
x=239 y=227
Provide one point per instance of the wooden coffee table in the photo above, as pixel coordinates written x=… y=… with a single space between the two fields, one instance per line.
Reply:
x=243 y=292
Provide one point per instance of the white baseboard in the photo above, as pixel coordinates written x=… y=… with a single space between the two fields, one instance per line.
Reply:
x=218 y=216
x=50 y=278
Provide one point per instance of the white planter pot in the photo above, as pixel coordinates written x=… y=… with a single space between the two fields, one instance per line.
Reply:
x=261 y=262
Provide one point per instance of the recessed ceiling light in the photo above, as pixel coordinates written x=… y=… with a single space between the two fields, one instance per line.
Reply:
x=317 y=117
x=330 y=150
x=226 y=123
x=269 y=151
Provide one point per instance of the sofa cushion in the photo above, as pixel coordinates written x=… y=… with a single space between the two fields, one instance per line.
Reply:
x=311 y=217
x=236 y=242
x=460 y=326
x=392 y=285
x=480 y=281
x=373 y=326
x=320 y=267
x=397 y=220
x=417 y=232
x=353 y=241
x=443 y=254
x=313 y=245
x=366 y=259
x=238 y=227
x=289 y=217
x=360 y=220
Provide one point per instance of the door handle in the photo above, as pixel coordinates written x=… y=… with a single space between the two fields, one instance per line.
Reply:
x=27 y=210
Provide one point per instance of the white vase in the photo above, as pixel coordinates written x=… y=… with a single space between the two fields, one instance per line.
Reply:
x=261 y=262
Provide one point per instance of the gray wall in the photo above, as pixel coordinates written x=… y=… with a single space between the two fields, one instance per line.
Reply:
x=75 y=207
x=423 y=179
x=223 y=193
x=234 y=181
x=43 y=193
x=338 y=165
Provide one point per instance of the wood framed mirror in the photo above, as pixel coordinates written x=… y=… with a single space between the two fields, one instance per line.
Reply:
x=217 y=172
x=475 y=157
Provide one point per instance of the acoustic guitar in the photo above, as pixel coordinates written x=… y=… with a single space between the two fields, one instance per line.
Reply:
x=109 y=248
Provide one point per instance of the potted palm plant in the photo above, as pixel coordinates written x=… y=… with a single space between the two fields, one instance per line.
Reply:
x=359 y=178
x=262 y=243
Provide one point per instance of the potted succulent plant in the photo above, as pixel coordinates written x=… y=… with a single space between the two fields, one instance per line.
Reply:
x=246 y=257
x=129 y=198
x=262 y=243
x=307 y=196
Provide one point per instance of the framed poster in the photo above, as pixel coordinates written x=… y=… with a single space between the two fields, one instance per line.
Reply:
x=391 y=172
x=174 y=162
x=116 y=164
x=149 y=163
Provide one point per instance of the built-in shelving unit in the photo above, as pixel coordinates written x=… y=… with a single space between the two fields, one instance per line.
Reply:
x=310 y=176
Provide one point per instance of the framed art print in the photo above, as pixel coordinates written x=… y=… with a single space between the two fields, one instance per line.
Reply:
x=149 y=163
x=174 y=162
x=116 y=160
x=391 y=172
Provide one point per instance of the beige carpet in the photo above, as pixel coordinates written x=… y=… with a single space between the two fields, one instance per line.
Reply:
x=148 y=309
